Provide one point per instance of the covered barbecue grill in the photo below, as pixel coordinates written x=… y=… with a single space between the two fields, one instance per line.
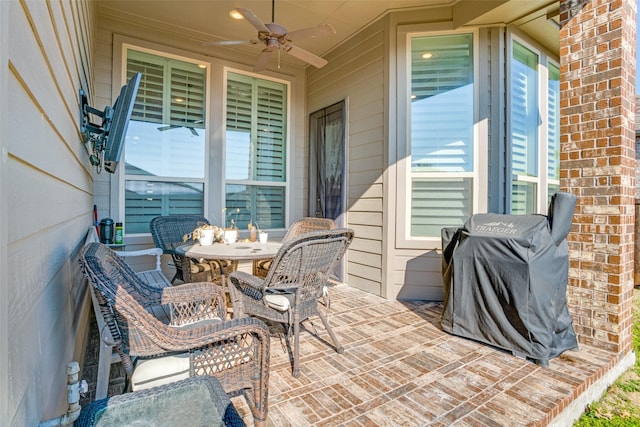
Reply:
x=505 y=281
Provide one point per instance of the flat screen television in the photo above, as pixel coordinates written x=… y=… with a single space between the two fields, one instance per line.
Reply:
x=116 y=128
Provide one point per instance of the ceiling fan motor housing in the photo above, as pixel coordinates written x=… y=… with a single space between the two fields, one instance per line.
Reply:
x=276 y=30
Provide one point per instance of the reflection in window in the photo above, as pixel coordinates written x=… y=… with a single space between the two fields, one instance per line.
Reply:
x=442 y=141
x=238 y=162
x=154 y=153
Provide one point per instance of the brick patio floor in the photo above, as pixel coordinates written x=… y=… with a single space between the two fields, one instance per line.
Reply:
x=400 y=369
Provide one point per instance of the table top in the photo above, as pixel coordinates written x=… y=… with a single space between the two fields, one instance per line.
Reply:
x=240 y=251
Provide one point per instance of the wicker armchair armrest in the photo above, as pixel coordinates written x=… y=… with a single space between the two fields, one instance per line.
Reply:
x=254 y=286
x=193 y=302
x=247 y=283
x=203 y=334
x=157 y=252
x=244 y=285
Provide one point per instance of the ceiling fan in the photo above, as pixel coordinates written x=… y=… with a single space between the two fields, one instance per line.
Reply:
x=275 y=36
x=191 y=129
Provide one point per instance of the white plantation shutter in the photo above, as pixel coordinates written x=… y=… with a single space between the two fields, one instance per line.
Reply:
x=525 y=116
x=525 y=120
x=438 y=203
x=256 y=151
x=187 y=98
x=239 y=105
x=271 y=121
x=149 y=105
x=442 y=115
x=168 y=198
x=553 y=137
x=442 y=98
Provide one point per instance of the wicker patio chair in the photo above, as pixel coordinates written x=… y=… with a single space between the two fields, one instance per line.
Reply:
x=290 y=292
x=300 y=226
x=168 y=232
x=193 y=342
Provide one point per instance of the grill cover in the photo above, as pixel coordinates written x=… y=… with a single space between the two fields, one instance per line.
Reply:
x=505 y=281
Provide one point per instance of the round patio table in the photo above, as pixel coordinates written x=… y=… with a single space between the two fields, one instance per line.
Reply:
x=220 y=253
x=240 y=251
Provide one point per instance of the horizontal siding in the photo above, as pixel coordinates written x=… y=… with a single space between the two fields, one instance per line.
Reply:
x=355 y=73
x=418 y=275
x=365 y=258
x=50 y=194
x=365 y=190
x=371 y=218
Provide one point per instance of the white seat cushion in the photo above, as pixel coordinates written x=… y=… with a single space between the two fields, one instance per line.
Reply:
x=277 y=301
x=282 y=301
x=162 y=370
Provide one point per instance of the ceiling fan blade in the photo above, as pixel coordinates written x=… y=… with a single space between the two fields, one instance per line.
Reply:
x=167 y=127
x=253 y=19
x=312 y=32
x=263 y=60
x=229 y=42
x=305 y=55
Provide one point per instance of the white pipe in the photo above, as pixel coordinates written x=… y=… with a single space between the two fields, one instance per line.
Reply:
x=74 y=388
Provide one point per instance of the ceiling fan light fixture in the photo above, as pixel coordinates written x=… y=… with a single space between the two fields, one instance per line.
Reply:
x=235 y=14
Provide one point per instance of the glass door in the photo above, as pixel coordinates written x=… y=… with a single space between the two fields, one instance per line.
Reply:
x=327 y=163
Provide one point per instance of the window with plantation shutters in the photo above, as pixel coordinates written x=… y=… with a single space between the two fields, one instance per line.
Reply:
x=441 y=137
x=534 y=131
x=256 y=134
x=165 y=145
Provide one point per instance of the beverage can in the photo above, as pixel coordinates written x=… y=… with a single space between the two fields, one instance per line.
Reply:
x=118 y=234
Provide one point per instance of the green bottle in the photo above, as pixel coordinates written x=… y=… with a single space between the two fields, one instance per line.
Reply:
x=118 y=239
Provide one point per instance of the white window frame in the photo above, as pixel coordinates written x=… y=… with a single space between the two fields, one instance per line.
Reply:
x=542 y=180
x=287 y=183
x=404 y=239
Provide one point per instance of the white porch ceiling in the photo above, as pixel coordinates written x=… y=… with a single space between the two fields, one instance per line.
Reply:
x=209 y=20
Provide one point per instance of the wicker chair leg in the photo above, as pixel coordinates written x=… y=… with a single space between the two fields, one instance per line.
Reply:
x=257 y=404
x=339 y=347
x=177 y=263
x=296 y=348
x=175 y=276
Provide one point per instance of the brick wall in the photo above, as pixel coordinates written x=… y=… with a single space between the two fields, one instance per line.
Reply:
x=597 y=50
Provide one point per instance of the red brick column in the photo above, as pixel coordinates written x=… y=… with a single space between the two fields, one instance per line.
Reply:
x=597 y=50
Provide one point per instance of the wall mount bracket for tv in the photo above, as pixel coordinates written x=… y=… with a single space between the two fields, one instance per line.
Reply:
x=107 y=139
x=94 y=133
